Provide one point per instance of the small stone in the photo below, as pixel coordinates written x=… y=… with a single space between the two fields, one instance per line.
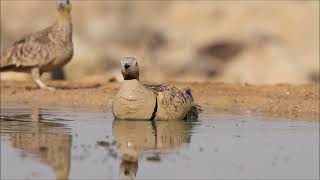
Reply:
x=103 y=143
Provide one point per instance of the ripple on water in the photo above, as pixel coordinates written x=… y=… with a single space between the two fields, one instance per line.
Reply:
x=52 y=143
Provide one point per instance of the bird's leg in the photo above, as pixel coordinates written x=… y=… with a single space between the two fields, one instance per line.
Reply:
x=35 y=72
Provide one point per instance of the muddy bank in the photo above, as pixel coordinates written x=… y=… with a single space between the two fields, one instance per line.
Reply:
x=279 y=101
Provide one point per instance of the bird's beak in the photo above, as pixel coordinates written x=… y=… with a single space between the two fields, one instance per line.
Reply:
x=126 y=66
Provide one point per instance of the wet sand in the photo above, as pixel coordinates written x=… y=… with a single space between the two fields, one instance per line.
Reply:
x=298 y=102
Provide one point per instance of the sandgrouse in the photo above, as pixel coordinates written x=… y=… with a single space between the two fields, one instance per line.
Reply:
x=155 y=102
x=44 y=50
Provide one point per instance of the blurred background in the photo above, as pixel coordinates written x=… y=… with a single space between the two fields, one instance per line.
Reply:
x=240 y=41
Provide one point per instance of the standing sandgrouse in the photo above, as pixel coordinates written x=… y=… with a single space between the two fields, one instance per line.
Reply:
x=44 y=50
x=159 y=102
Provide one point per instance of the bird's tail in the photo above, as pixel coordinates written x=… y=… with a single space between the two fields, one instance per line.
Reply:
x=4 y=66
x=189 y=92
x=3 y=60
x=194 y=112
x=195 y=109
x=6 y=61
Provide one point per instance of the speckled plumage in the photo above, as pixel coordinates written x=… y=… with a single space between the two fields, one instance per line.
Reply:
x=171 y=103
x=44 y=50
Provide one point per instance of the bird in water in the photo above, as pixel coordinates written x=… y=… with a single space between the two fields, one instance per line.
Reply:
x=42 y=51
x=139 y=101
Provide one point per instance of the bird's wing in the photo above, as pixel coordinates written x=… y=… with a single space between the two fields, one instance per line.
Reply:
x=175 y=91
x=177 y=100
x=159 y=88
x=31 y=50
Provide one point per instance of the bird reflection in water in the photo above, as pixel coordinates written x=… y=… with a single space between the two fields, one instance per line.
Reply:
x=48 y=142
x=134 y=138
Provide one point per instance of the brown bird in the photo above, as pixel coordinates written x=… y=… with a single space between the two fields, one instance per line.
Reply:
x=159 y=102
x=42 y=51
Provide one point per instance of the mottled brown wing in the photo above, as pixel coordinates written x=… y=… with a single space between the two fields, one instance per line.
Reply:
x=31 y=50
x=173 y=104
x=5 y=58
x=159 y=88
x=176 y=99
x=186 y=94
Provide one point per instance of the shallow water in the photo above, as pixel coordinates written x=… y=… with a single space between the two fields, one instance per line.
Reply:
x=49 y=144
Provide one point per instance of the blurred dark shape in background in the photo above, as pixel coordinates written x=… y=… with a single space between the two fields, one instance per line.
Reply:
x=58 y=74
x=238 y=41
x=222 y=50
x=315 y=77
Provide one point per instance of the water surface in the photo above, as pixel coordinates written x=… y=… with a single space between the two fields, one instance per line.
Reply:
x=61 y=144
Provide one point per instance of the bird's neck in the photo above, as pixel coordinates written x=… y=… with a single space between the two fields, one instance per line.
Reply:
x=64 y=24
x=131 y=77
x=64 y=19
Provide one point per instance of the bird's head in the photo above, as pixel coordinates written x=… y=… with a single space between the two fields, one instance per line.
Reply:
x=130 y=68
x=64 y=5
x=128 y=169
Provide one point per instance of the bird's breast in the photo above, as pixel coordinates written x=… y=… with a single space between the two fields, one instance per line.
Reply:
x=133 y=101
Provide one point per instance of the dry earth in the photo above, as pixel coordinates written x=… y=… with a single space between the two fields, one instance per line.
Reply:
x=300 y=102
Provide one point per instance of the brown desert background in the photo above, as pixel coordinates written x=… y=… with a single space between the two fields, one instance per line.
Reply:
x=236 y=41
x=246 y=57
x=253 y=67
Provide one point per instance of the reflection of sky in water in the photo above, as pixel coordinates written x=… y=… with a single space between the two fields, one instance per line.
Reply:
x=215 y=147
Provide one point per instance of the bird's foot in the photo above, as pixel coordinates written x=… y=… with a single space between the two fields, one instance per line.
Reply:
x=43 y=86
x=48 y=88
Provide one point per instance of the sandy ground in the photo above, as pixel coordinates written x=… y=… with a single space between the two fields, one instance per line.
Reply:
x=300 y=102
x=228 y=41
